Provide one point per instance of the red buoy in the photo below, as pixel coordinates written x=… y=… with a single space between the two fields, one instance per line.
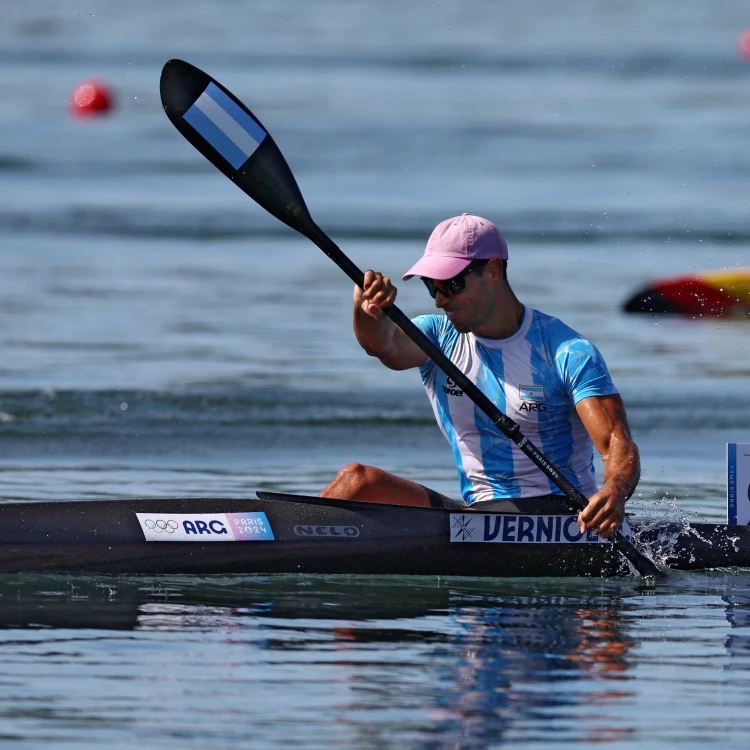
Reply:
x=743 y=45
x=91 y=98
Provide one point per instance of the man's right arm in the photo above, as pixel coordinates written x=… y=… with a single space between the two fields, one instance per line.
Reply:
x=376 y=333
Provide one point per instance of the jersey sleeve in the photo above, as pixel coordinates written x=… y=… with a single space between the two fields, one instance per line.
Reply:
x=432 y=327
x=583 y=370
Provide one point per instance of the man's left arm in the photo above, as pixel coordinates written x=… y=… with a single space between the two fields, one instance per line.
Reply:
x=606 y=422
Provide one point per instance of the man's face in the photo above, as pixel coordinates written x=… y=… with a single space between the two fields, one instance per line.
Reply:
x=466 y=299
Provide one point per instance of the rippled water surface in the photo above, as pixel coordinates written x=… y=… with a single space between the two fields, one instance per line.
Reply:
x=367 y=662
x=163 y=336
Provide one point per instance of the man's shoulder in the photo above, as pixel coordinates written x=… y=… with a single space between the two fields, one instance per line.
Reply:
x=431 y=317
x=561 y=344
x=553 y=329
x=429 y=322
x=437 y=328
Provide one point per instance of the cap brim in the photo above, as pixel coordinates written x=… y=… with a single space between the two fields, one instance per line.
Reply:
x=440 y=268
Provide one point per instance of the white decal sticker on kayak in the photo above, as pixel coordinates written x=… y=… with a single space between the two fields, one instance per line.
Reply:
x=205 y=527
x=522 y=529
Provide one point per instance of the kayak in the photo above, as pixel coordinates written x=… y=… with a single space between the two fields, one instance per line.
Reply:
x=279 y=533
x=723 y=293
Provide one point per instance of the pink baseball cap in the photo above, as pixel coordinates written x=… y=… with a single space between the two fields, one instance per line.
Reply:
x=454 y=243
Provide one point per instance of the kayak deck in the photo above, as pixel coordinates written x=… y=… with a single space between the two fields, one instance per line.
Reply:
x=276 y=533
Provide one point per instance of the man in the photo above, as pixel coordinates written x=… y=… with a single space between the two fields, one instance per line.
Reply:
x=546 y=377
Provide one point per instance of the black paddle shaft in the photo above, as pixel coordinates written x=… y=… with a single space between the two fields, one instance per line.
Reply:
x=229 y=135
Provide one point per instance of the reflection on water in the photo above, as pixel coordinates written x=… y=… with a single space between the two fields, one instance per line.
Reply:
x=474 y=661
x=505 y=671
x=378 y=661
x=738 y=640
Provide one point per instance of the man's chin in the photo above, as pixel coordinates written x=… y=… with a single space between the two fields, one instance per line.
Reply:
x=460 y=325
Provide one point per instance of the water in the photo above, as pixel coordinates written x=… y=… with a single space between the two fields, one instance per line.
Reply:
x=162 y=335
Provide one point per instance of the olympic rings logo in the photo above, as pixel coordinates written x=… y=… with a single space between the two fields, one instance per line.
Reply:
x=160 y=526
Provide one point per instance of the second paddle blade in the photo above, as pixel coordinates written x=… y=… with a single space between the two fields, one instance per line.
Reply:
x=229 y=135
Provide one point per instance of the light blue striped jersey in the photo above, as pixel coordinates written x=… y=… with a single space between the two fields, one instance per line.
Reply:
x=536 y=376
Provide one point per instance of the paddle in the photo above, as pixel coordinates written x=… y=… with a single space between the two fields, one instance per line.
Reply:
x=234 y=141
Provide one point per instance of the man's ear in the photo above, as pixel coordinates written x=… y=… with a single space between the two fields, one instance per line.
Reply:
x=496 y=269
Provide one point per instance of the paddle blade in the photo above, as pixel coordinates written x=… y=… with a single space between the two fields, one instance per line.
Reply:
x=232 y=138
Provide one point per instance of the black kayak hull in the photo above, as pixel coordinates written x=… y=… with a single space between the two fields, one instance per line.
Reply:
x=312 y=535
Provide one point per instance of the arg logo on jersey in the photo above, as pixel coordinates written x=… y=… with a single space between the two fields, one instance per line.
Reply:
x=532 y=398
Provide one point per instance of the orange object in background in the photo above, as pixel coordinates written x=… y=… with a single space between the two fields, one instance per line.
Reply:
x=719 y=293
x=743 y=45
x=91 y=98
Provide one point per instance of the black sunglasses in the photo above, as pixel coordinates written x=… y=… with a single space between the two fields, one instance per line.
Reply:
x=457 y=284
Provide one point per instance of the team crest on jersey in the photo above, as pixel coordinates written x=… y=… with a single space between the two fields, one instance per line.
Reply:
x=531 y=392
x=532 y=398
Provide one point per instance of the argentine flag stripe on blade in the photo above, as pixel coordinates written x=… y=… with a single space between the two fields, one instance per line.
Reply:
x=225 y=125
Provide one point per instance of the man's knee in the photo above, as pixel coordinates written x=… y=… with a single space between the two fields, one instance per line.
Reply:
x=358 y=476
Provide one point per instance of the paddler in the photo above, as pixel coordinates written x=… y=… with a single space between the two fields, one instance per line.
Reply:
x=545 y=376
